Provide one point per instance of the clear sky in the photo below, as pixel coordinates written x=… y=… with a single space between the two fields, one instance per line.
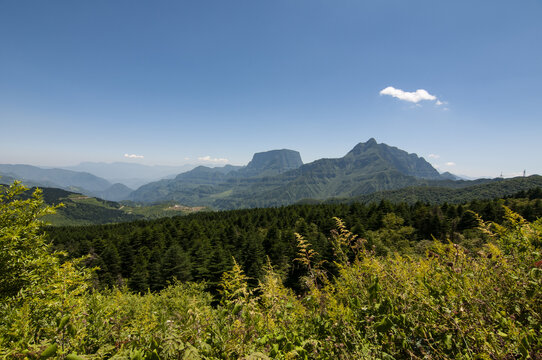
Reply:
x=174 y=82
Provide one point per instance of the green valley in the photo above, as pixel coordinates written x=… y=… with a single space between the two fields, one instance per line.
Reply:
x=79 y=209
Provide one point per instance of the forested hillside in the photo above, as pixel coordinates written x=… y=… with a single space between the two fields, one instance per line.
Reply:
x=200 y=247
x=455 y=192
x=476 y=296
x=79 y=209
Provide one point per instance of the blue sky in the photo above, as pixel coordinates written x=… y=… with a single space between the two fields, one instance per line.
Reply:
x=201 y=81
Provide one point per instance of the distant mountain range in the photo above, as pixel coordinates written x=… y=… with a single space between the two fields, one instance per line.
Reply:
x=80 y=182
x=279 y=177
x=110 y=181
x=369 y=172
x=130 y=174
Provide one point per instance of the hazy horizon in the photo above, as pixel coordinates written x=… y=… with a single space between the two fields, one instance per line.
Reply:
x=189 y=166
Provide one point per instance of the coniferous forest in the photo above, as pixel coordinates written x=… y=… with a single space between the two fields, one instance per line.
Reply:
x=200 y=247
x=386 y=281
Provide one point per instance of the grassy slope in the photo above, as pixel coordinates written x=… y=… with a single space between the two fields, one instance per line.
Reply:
x=83 y=210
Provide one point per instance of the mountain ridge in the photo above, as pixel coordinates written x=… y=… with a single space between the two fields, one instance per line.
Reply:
x=75 y=181
x=368 y=167
x=132 y=175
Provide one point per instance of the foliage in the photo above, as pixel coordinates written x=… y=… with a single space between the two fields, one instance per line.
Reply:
x=24 y=256
x=449 y=302
x=456 y=192
x=41 y=297
x=148 y=254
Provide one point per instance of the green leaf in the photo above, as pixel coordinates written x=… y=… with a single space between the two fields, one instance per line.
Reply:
x=50 y=351
x=74 y=357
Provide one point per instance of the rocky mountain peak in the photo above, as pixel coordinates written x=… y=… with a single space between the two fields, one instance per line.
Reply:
x=391 y=158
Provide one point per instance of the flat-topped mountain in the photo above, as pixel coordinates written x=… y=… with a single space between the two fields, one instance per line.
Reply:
x=279 y=177
x=268 y=163
x=195 y=185
x=272 y=163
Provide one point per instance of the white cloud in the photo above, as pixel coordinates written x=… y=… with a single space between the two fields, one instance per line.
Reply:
x=209 y=159
x=133 y=156
x=450 y=163
x=433 y=156
x=413 y=97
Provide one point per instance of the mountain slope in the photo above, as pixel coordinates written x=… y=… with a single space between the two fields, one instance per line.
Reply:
x=65 y=179
x=80 y=182
x=373 y=157
x=130 y=174
x=279 y=178
x=79 y=209
x=115 y=192
x=462 y=192
x=203 y=185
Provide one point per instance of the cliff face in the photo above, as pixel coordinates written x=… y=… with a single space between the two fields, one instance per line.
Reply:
x=273 y=162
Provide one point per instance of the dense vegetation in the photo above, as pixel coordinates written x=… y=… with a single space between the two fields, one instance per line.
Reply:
x=199 y=247
x=82 y=210
x=462 y=192
x=447 y=302
x=78 y=209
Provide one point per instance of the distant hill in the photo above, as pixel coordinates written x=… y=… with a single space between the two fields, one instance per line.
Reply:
x=75 y=181
x=458 y=193
x=450 y=176
x=279 y=177
x=65 y=179
x=80 y=209
x=130 y=174
x=115 y=192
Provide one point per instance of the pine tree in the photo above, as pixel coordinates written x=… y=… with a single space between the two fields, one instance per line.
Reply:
x=139 y=281
x=176 y=265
